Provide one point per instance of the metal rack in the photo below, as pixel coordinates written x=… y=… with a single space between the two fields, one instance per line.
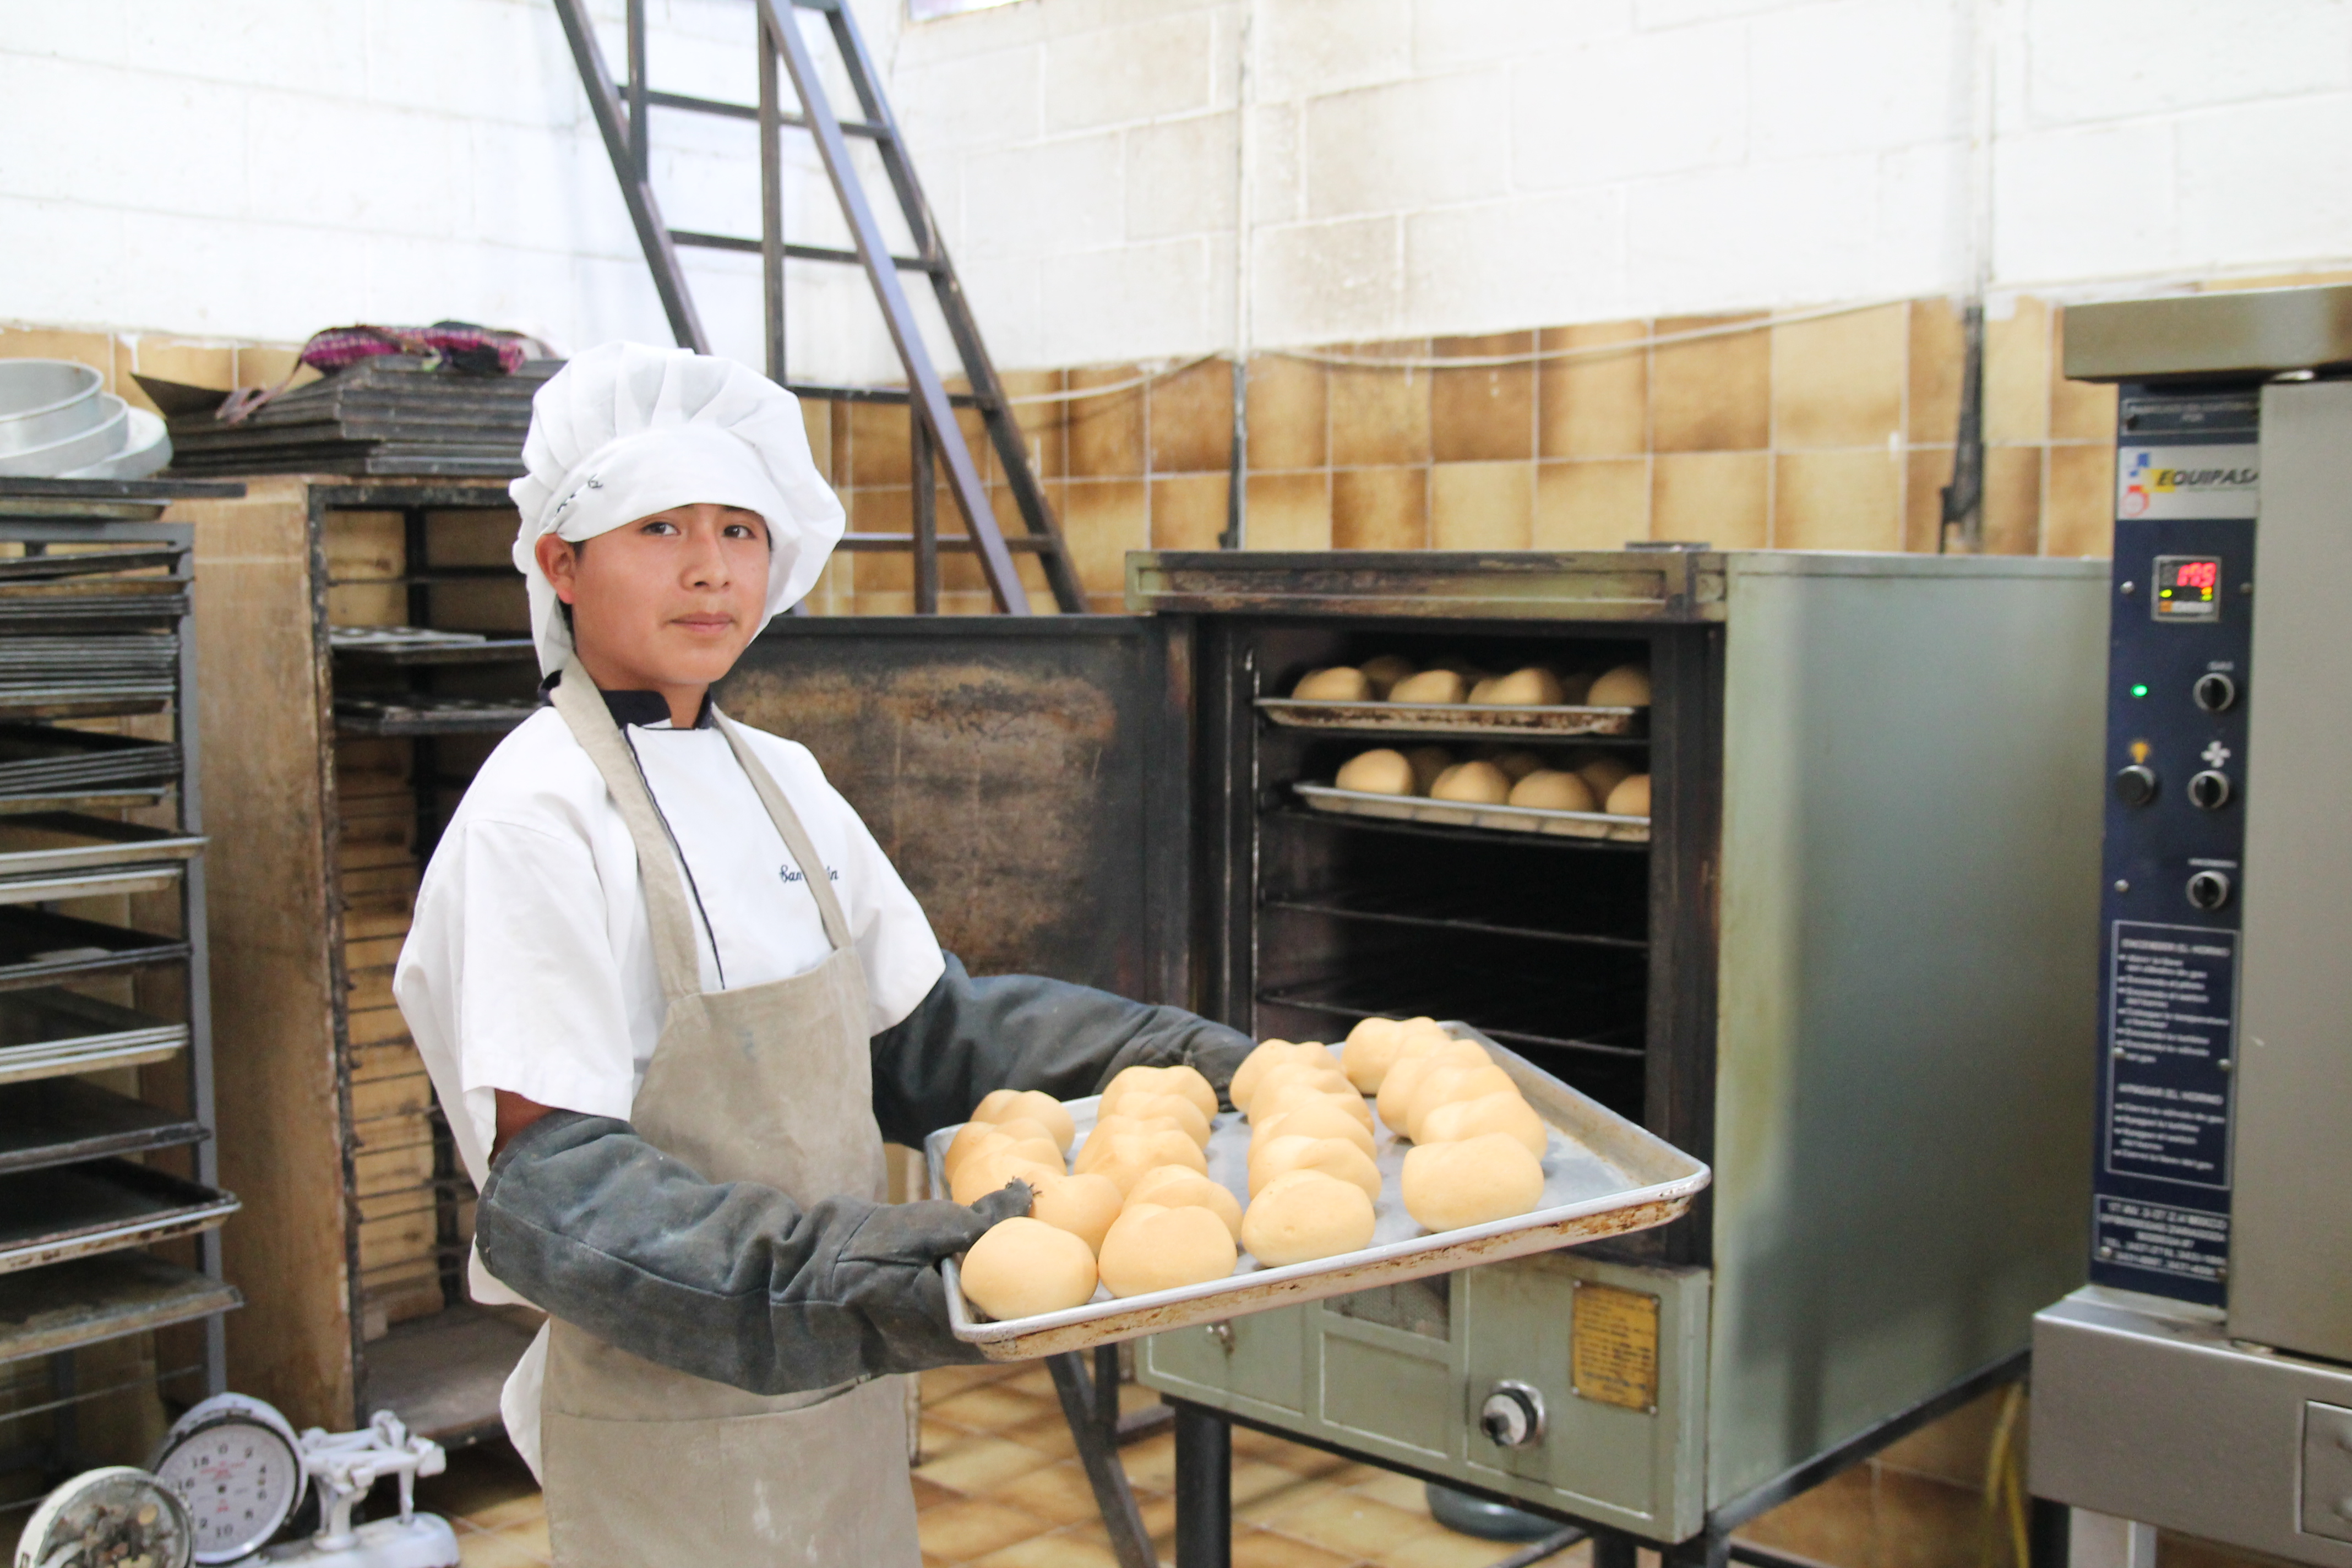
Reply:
x=110 y=1209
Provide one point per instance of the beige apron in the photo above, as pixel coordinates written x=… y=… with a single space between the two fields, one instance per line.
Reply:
x=648 y=1468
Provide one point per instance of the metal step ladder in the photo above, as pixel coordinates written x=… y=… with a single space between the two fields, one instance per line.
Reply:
x=933 y=435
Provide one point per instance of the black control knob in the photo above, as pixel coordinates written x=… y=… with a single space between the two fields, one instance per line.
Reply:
x=1512 y=1416
x=2215 y=693
x=2209 y=891
x=2135 y=786
x=2208 y=791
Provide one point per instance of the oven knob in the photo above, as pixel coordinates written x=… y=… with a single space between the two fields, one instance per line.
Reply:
x=2135 y=786
x=2208 y=791
x=2209 y=891
x=2215 y=693
x=1512 y=1415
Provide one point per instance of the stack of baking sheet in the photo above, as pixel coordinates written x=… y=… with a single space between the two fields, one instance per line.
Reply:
x=389 y=414
x=27 y=607
x=46 y=1032
x=428 y=714
x=134 y=671
x=43 y=762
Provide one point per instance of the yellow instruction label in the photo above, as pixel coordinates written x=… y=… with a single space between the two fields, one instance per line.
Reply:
x=1613 y=1346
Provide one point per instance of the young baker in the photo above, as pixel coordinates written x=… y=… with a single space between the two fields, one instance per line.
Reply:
x=673 y=997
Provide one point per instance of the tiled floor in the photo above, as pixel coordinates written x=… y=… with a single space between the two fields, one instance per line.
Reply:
x=1000 y=1487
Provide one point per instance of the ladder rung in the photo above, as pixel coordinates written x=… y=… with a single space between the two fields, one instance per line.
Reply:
x=796 y=252
x=693 y=105
x=954 y=543
x=869 y=394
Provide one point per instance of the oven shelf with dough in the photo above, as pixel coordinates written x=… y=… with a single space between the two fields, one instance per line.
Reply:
x=1499 y=817
x=1452 y=719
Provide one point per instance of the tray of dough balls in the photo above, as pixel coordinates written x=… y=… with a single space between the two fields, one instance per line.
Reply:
x=1453 y=698
x=1416 y=1149
x=1511 y=792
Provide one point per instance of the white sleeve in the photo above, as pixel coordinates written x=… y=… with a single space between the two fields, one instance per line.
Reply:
x=508 y=981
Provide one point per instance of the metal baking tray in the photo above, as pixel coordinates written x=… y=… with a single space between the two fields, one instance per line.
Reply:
x=45 y=842
x=46 y=1032
x=1603 y=1175
x=74 y=1211
x=1453 y=814
x=1490 y=721
x=91 y=1299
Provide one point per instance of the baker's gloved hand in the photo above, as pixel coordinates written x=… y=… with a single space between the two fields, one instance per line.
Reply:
x=908 y=1240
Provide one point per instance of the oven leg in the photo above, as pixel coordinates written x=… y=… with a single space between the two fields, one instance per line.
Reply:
x=1706 y=1550
x=1204 y=1488
x=1098 y=1451
x=1612 y=1549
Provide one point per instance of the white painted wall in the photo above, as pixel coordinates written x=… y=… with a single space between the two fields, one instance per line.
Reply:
x=254 y=169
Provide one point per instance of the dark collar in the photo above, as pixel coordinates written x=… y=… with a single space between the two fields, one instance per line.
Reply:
x=643 y=708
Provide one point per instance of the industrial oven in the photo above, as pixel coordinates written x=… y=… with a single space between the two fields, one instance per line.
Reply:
x=2202 y=1381
x=1840 y=962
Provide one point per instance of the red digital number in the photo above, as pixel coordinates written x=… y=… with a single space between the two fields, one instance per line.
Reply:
x=2199 y=575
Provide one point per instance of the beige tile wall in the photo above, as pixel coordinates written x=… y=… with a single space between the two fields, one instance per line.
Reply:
x=1831 y=434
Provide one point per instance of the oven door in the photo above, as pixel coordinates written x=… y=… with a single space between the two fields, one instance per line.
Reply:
x=1029 y=777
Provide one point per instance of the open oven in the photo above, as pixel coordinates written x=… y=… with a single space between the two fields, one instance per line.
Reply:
x=1838 y=960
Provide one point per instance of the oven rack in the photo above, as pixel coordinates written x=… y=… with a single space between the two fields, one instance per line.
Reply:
x=1467 y=720
x=1455 y=834
x=1460 y=910
x=64 y=1121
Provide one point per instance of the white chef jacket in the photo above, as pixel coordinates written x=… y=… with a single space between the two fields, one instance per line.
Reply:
x=530 y=963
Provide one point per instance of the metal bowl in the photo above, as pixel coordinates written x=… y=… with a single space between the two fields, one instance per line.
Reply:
x=43 y=401
x=102 y=438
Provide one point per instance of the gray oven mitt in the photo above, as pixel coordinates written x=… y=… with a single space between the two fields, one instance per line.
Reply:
x=727 y=1280
x=1023 y=1031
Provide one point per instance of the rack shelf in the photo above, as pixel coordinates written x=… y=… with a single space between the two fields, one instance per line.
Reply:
x=1431 y=913
x=1343 y=820
x=62 y=1120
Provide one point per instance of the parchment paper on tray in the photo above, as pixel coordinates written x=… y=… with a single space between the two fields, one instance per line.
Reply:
x=1603 y=1175
x=1494 y=720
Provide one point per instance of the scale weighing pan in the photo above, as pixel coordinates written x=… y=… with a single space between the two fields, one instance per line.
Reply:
x=1603 y=1175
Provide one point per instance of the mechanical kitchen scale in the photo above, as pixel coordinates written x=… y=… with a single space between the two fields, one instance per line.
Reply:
x=229 y=1476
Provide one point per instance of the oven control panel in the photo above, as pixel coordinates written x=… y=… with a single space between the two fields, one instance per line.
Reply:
x=2187 y=484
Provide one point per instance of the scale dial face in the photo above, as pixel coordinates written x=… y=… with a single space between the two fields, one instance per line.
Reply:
x=240 y=1480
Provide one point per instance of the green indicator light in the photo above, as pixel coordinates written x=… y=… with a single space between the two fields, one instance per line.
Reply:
x=2139 y=688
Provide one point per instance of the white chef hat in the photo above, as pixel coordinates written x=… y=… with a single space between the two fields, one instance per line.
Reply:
x=626 y=430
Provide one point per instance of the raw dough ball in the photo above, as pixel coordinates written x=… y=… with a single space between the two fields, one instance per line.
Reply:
x=1444 y=1086
x=1271 y=1054
x=1554 y=792
x=972 y=1135
x=1422 y=1029
x=1173 y=1107
x=1517 y=765
x=1174 y=1186
x=1124 y=1156
x=1385 y=671
x=987 y=1172
x=1371 y=1048
x=1627 y=686
x=1186 y=1081
x=1081 y=1205
x=1428 y=761
x=1404 y=1079
x=1478 y=783
x=1024 y=1267
x=1490 y=1177
x=1534 y=687
x=1335 y=1157
x=1105 y=1125
x=1430 y=686
x=1037 y=1149
x=1377 y=771
x=1008 y=1104
x=1301 y=1216
x=1278 y=1100
x=1154 y=1248
x=1602 y=774
x=1324 y=1076
x=1502 y=1112
x=1338 y=684
x=1315 y=1118
x=1630 y=798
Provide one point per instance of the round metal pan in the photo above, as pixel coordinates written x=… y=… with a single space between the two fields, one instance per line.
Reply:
x=100 y=441
x=145 y=450
x=43 y=401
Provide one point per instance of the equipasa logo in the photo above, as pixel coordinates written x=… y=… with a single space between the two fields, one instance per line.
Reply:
x=2145 y=480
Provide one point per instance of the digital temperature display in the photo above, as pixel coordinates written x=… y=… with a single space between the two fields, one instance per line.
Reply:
x=2187 y=588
